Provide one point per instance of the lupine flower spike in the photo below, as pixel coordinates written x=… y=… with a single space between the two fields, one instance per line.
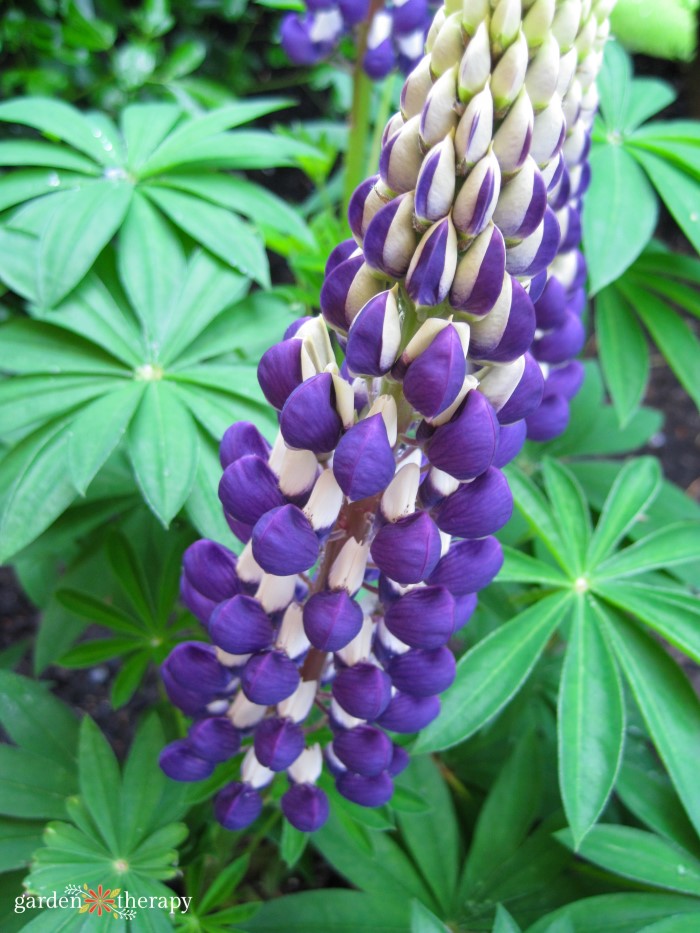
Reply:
x=368 y=526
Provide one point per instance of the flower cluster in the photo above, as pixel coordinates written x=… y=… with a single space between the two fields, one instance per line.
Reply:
x=368 y=525
x=395 y=37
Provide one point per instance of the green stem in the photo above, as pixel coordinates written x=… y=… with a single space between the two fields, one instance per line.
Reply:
x=358 y=130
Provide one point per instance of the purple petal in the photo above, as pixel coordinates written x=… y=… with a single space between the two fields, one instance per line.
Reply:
x=269 y=677
x=279 y=371
x=241 y=439
x=284 y=543
x=365 y=750
x=433 y=265
x=549 y=420
x=248 y=489
x=363 y=690
x=331 y=620
x=241 y=626
x=479 y=277
x=510 y=442
x=407 y=714
x=363 y=463
x=422 y=618
x=465 y=446
x=407 y=550
x=527 y=395
x=214 y=738
x=237 y=806
x=278 y=743
x=423 y=673
x=305 y=806
x=478 y=508
x=559 y=345
x=180 y=763
x=365 y=791
x=433 y=380
x=309 y=420
x=468 y=566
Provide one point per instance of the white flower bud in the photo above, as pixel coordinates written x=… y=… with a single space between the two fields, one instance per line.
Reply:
x=543 y=74
x=415 y=89
x=511 y=144
x=505 y=24
x=399 y=497
x=402 y=157
x=325 y=502
x=244 y=714
x=275 y=593
x=566 y=23
x=435 y=28
x=348 y=569
x=538 y=22
x=474 y=13
x=548 y=132
x=448 y=46
x=307 y=768
x=474 y=131
x=439 y=115
x=475 y=65
x=297 y=706
x=509 y=74
x=291 y=637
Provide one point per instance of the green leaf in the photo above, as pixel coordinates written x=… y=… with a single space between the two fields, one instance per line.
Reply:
x=678 y=191
x=591 y=723
x=646 y=791
x=33 y=786
x=292 y=844
x=98 y=611
x=18 y=840
x=130 y=572
x=99 y=783
x=90 y=653
x=87 y=32
x=36 y=720
x=24 y=152
x=570 y=510
x=177 y=146
x=620 y=216
x=655 y=862
x=78 y=230
x=224 y=884
x=31 y=348
x=519 y=567
x=492 y=672
x=330 y=911
x=668 y=704
x=129 y=677
x=424 y=920
x=674 y=337
x=504 y=923
x=678 y=543
x=151 y=265
x=674 y=615
x=614 y=85
x=142 y=783
x=38 y=487
x=245 y=197
x=687 y=924
x=624 y=356
x=647 y=97
x=56 y=118
x=666 y=31
x=144 y=127
x=533 y=506
x=164 y=450
x=618 y=913
x=510 y=809
x=635 y=488
x=203 y=506
x=97 y=430
x=223 y=233
x=431 y=834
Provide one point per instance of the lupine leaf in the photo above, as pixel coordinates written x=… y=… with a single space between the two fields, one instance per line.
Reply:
x=668 y=704
x=619 y=913
x=570 y=510
x=510 y=809
x=647 y=97
x=38 y=487
x=18 y=252
x=223 y=233
x=37 y=720
x=245 y=197
x=656 y=862
x=331 y=911
x=504 y=923
x=532 y=504
x=129 y=678
x=179 y=143
x=492 y=672
x=32 y=348
x=76 y=234
x=674 y=615
x=624 y=356
x=591 y=723
x=98 y=610
x=18 y=841
x=678 y=543
x=151 y=265
x=674 y=925
x=431 y=836
x=519 y=567
x=131 y=574
x=142 y=783
x=25 y=152
x=29 y=401
x=97 y=430
x=144 y=127
x=671 y=130
x=635 y=488
x=203 y=506
x=99 y=782
x=25 y=184
x=614 y=85
x=666 y=31
x=673 y=336
x=56 y=118
x=647 y=792
x=164 y=450
x=32 y=785
x=620 y=216
x=678 y=191
x=292 y=845
x=424 y=920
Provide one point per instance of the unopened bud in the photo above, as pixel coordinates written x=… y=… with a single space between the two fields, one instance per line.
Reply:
x=566 y=23
x=433 y=265
x=401 y=157
x=415 y=89
x=435 y=187
x=474 y=131
x=479 y=275
x=448 y=46
x=474 y=12
x=439 y=115
x=511 y=144
x=509 y=74
x=390 y=239
x=585 y=39
x=435 y=28
x=477 y=197
x=548 y=132
x=364 y=204
x=522 y=203
x=504 y=25
x=543 y=74
x=538 y=22
x=475 y=65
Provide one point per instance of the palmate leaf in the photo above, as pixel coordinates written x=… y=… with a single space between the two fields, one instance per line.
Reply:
x=58 y=119
x=424 y=920
x=668 y=704
x=624 y=356
x=331 y=911
x=492 y=672
x=591 y=723
x=623 y=913
x=570 y=511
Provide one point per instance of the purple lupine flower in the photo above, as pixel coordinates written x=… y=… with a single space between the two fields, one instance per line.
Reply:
x=368 y=525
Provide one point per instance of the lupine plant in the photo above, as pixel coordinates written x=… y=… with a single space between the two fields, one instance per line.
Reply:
x=387 y=582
